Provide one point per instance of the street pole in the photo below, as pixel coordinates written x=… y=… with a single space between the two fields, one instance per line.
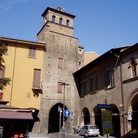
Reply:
x=60 y=111
x=64 y=84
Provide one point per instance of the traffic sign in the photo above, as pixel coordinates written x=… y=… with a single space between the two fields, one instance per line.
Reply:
x=66 y=113
x=105 y=106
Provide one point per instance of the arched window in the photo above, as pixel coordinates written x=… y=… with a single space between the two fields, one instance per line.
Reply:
x=132 y=65
x=60 y=20
x=53 y=18
x=67 y=22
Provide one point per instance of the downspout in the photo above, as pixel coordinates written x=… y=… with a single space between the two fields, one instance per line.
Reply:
x=121 y=86
x=122 y=95
x=13 y=71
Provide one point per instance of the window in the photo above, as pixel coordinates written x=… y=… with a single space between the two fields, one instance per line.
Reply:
x=2 y=72
x=60 y=20
x=53 y=18
x=59 y=88
x=32 y=51
x=83 y=88
x=109 y=79
x=67 y=22
x=36 y=79
x=1 y=96
x=132 y=65
x=93 y=84
x=60 y=62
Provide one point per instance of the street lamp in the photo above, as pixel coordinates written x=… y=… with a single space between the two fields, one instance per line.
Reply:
x=64 y=84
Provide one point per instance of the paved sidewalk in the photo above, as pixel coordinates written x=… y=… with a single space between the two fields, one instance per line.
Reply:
x=36 y=135
x=56 y=135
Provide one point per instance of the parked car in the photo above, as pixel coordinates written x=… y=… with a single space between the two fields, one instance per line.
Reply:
x=131 y=134
x=89 y=130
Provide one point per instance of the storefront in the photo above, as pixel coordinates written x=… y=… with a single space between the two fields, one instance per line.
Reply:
x=14 y=121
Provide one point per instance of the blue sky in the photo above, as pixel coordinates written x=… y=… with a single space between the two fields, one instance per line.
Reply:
x=99 y=24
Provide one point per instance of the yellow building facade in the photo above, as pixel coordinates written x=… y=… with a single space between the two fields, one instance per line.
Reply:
x=23 y=64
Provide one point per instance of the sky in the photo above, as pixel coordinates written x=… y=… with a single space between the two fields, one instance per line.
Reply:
x=100 y=25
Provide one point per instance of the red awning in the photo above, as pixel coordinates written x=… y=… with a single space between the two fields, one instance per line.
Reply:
x=16 y=115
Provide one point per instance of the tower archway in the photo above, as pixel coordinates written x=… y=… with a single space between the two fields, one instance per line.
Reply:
x=55 y=118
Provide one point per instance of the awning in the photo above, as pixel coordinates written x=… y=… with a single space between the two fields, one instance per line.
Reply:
x=16 y=115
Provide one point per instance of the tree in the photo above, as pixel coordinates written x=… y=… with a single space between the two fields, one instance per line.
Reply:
x=4 y=81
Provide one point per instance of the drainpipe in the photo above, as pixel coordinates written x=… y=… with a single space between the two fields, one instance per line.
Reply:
x=13 y=71
x=122 y=96
x=122 y=92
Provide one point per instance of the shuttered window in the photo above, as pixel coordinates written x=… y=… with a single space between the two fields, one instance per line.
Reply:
x=1 y=96
x=2 y=72
x=93 y=84
x=32 y=51
x=36 y=79
x=59 y=87
x=60 y=63
x=83 y=88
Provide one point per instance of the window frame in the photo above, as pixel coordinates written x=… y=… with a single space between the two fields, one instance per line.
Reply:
x=83 y=88
x=132 y=65
x=67 y=22
x=37 y=78
x=110 y=79
x=60 y=20
x=2 y=71
x=93 y=84
x=59 y=87
x=32 y=52
x=60 y=63
x=53 y=18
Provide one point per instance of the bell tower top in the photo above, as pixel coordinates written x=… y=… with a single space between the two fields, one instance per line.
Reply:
x=58 y=21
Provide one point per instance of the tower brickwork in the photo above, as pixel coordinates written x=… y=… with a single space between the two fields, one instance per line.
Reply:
x=61 y=60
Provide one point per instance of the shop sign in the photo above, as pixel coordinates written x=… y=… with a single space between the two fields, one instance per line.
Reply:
x=107 y=122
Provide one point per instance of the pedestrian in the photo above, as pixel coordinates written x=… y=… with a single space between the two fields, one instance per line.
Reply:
x=26 y=134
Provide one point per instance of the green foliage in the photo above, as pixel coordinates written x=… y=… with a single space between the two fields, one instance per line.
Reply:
x=3 y=81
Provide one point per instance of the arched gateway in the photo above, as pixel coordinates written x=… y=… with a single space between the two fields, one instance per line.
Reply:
x=55 y=118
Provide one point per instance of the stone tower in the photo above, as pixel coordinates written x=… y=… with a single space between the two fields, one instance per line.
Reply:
x=61 y=60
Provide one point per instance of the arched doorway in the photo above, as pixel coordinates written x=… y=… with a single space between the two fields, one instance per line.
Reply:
x=86 y=115
x=55 y=118
x=98 y=120
x=115 y=120
x=134 y=104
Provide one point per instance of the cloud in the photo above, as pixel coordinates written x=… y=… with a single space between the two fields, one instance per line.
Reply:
x=6 y=5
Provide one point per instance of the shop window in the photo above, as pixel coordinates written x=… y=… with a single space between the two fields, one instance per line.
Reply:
x=93 y=84
x=60 y=20
x=109 y=79
x=32 y=51
x=59 y=87
x=36 y=79
x=132 y=65
x=53 y=18
x=67 y=22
